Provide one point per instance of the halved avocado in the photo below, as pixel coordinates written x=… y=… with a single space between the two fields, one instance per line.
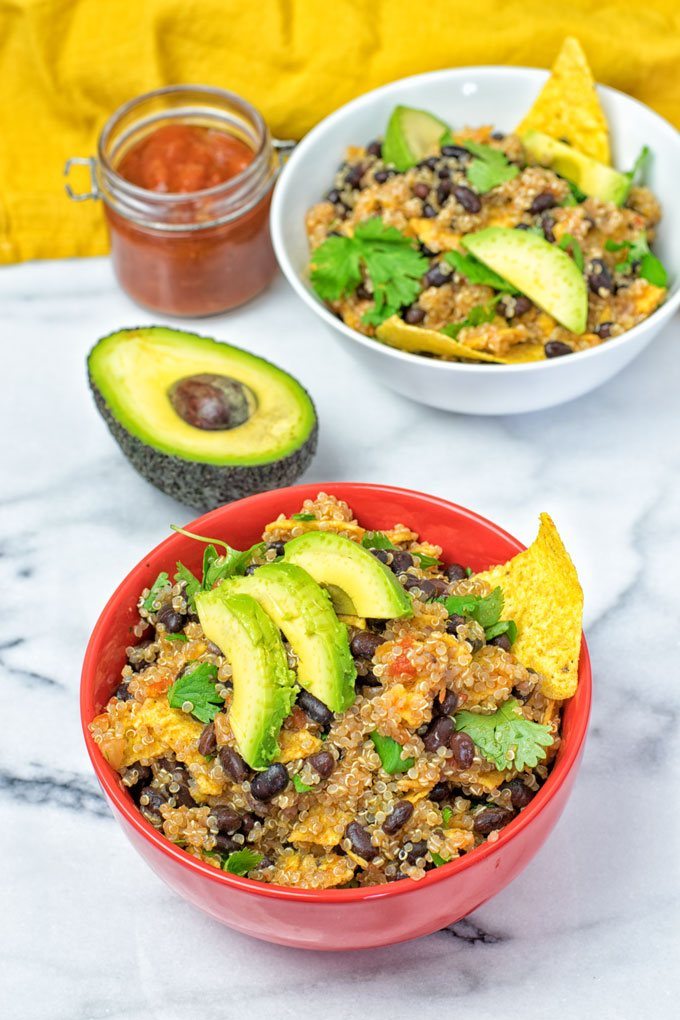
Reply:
x=303 y=611
x=367 y=587
x=591 y=177
x=410 y=136
x=542 y=271
x=264 y=686
x=202 y=420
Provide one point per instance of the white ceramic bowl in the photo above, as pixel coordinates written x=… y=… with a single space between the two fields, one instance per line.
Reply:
x=476 y=95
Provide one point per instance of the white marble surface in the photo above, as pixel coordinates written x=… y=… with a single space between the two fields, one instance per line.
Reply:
x=590 y=929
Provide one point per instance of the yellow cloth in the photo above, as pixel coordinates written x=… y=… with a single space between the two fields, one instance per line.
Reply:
x=65 y=65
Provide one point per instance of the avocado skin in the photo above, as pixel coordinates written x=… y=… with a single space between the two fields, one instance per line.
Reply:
x=205 y=486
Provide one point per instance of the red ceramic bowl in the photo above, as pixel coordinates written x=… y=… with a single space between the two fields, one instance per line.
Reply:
x=335 y=918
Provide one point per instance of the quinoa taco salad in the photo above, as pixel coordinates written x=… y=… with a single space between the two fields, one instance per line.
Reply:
x=338 y=707
x=472 y=244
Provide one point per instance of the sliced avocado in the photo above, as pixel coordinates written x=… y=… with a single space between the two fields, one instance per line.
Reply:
x=591 y=177
x=411 y=135
x=203 y=421
x=370 y=587
x=303 y=611
x=264 y=686
x=538 y=269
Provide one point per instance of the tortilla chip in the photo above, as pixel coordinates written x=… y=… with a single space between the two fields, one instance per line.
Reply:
x=322 y=826
x=567 y=107
x=543 y=596
x=294 y=744
x=397 y=333
x=434 y=235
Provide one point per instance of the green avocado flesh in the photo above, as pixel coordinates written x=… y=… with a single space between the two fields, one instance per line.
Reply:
x=593 y=178
x=543 y=272
x=410 y=136
x=366 y=584
x=202 y=420
x=303 y=611
x=264 y=686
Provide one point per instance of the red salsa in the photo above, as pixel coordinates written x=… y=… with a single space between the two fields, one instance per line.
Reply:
x=180 y=158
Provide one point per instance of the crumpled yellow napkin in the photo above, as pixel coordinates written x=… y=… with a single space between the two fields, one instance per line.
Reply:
x=66 y=66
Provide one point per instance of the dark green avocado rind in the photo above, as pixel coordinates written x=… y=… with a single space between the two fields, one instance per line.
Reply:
x=201 y=485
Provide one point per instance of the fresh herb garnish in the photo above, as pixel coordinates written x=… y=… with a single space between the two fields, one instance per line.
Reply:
x=475 y=271
x=240 y=862
x=577 y=195
x=505 y=737
x=475 y=317
x=389 y=752
x=569 y=244
x=638 y=251
x=191 y=583
x=198 y=689
x=447 y=815
x=376 y=540
x=486 y=610
x=300 y=786
x=154 y=591
x=438 y=859
x=489 y=168
x=469 y=571
x=508 y=627
x=392 y=262
x=216 y=567
x=302 y=517
x=175 y=637
x=639 y=168
x=426 y=561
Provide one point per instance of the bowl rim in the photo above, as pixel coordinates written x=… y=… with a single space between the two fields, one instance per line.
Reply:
x=122 y=803
x=277 y=220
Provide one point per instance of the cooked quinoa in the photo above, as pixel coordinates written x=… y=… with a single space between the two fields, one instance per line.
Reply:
x=339 y=819
x=435 y=204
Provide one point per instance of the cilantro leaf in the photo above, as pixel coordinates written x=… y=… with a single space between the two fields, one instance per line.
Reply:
x=489 y=168
x=508 y=627
x=485 y=610
x=576 y=193
x=447 y=815
x=569 y=244
x=475 y=271
x=175 y=637
x=216 y=567
x=475 y=317
x=505 y=737
x=389 y=752
x=438 y=859
x=240 y=862
x=377 y=540
x=638 y=170
x=154 y=591
x=394 y=266
x=426 y=561
x=300 y=786
x=198 y=688
x=638 y=251
x=302 y=517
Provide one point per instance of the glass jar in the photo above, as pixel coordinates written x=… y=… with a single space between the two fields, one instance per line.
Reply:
x=188 y=253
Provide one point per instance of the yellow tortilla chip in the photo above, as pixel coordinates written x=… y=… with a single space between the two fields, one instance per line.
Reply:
x=543 y=596
x=434 y=235
x=567 y=107
x=397 y=333
x=294 y=744
x=322 y=826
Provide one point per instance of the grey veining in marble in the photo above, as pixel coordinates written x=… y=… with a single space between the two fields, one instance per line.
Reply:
x=590 y=929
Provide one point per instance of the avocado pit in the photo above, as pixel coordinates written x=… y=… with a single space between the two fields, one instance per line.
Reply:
x=211 y=402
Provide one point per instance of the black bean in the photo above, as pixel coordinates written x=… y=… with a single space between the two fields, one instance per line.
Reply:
x=225 y=844
x=463 y=750
x=556 y=349
x=122 y=692
x=398 y=817
x=522 y=305
x=171 y=620
x=421 y=190
x=436 y=276
x=501 y=641
x=446 y=705
x=150 y=803
x=455 y=572
x=417 y=851
x=333 y=196
x=604 y=330
x=315 y=709
x=233 y=764
x=278 y=547
x=520 y=794
x=381 y=554
x=214 y=649
x=414 y=315
x=438 y=586
x=439 y=792
x=363 y=293
x=489 y=819
x=429 y=588
x=226 y=819
x=134 y=775
x=383 y=175
x=183 y=796
x=267 y=784
x=497 y=136
x=546 y=200
x=248 y=822
x=438 y=734
x=364 y=644
x=368 y=679
x=430 y=163
x=510 y=308
x=360 y=838
x=522 y=226
x=411 y=581
x=266 y=862
x=374 y=149
x=458 y=151
x=444 y=174
x=207 y=742
x=427 y=252
x=429 y=211
x=401 y=561
x=252 y=567
x=547 y=224
x=322 y=762
x=469 y=200
x=354 y=175
x=599 y=277
x=454 y=622
x=443 y=191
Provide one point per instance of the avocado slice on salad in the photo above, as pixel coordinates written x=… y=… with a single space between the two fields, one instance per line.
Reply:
x=410 y=136
x=302 y=610
x=543 y=272
x=592 y=178
x=358 y=583
x=264 y=686
x=201 y=420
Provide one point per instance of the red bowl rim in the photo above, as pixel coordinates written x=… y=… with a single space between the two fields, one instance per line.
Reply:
x=108 y=777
